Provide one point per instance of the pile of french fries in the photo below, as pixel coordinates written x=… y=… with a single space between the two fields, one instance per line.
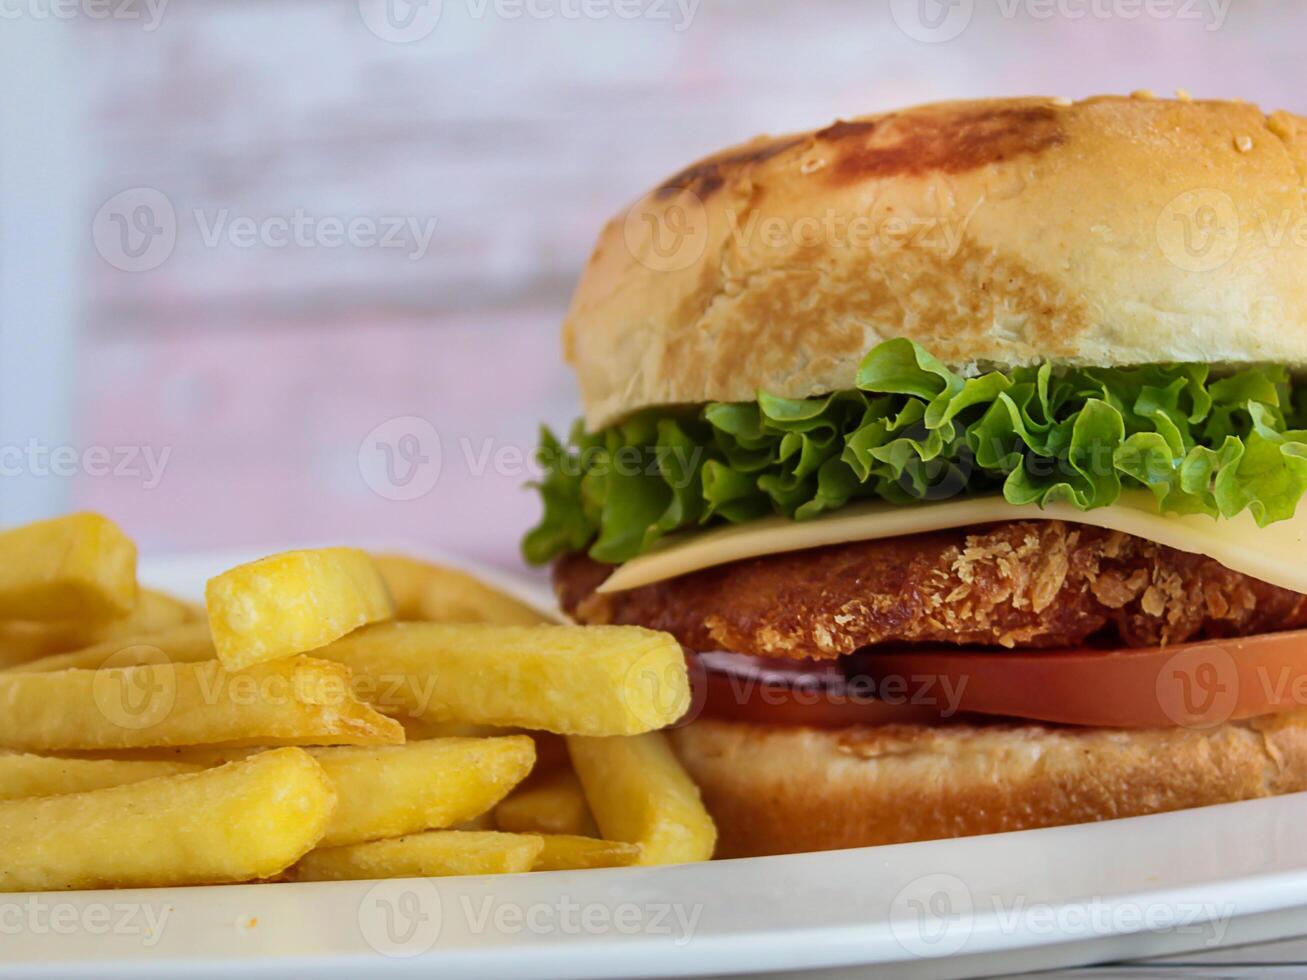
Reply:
x=328 y=715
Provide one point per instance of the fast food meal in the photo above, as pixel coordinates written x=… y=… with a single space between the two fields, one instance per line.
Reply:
x=298 y=732
x=964 y=447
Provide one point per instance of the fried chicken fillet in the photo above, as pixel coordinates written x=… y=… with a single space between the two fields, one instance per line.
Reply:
x=1019 y=584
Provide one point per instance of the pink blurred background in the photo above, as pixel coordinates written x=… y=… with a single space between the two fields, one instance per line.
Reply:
x=272 y=391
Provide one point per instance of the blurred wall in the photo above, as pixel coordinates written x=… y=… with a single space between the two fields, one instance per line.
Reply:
x=319 y=251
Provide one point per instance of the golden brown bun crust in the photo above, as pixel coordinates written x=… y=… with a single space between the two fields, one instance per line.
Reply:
x=778 y=790
x=1003 y=231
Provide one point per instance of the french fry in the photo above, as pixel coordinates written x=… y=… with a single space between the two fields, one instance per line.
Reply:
x=553 y=804
x=23 y=775
x=292 y=603
x=573 y=680
x=188 y=643
x=298 y=701
x=196 y=756
x=566 y=852
x=451 y=596
x=77 y=567
x=437 y=853
x=419 y=730
x=639 y=793
x=22 y=640
x=426 y=591
x=405 y=578
x=405 y=789
x=238 y=822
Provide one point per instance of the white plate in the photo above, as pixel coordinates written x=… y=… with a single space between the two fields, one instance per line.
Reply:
x=1069 y=895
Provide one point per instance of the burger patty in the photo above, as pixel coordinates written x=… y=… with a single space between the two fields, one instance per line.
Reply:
x=1018 y=584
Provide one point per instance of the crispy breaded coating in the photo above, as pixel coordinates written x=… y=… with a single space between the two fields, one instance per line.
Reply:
x=1019 y=584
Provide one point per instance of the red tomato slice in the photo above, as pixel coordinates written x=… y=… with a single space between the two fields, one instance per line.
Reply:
x=1194 y=685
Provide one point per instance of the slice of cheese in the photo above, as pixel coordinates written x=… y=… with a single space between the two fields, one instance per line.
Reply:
x=1276 y=554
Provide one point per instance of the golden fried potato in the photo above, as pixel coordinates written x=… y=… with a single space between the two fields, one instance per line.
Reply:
x=237 y=822
x=22 y=641
x=196 y=756
x=79 y=567
x=293 y=603
x=404 y=789
x=567 y=852
x=188 y=643
x=589 y=680
x=552 y=804
x=23 y=775
x=297 y=701
x=639 y=793
x=406 y=578
x=452 y=596
x=437 y=853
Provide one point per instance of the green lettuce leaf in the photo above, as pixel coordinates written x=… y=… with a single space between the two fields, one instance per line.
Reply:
x=913 y=430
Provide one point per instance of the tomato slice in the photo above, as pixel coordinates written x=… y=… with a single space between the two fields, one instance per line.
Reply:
x=1192 y=685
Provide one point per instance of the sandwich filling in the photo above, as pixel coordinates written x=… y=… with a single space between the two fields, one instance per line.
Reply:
x=911 y=433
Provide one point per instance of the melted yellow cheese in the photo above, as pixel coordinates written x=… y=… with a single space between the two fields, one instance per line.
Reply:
x=1275 y=554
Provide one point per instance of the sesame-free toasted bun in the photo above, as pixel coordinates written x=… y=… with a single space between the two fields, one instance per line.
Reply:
x=774 y=790
x=997 y=232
